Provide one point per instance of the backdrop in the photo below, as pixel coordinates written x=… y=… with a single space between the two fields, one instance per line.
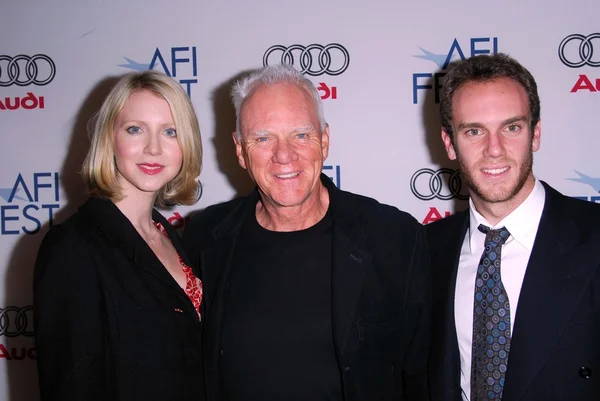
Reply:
x=376 y=63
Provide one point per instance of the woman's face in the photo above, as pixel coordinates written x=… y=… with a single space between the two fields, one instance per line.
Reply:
x=147 y=151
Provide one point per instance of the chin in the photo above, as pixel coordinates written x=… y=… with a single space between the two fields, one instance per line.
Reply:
x=498 y=194
x=150 y=187
x=289 y=200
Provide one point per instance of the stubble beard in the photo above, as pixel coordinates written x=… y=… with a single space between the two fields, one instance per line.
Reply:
x=492 y=196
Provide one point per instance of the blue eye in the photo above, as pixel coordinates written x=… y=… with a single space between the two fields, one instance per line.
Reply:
x=302 y=136
x=134 y=129
x=171 y=132
x=262 y=139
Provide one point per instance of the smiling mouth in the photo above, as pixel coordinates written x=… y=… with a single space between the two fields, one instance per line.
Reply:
x=494 y=171
x=288 y=175
x=151 y=168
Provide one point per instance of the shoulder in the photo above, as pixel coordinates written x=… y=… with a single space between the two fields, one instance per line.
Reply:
x=66 y=245
x=82 y=236
x=374 y=215
x=203 y=223
x=214 y=214
x=75 y=230
x=576 y=208
x=585 y=214
x=447 y=226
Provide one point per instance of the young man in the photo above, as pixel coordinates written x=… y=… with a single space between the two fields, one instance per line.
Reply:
x=516 y=311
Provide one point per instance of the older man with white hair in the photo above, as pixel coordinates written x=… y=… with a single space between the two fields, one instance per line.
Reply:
x=311 y=292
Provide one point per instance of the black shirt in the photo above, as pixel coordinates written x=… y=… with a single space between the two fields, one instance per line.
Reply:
x=277 y=341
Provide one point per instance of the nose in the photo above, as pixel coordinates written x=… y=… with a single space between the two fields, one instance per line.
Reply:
x=285 y=152
x=494 y=146
x=153 y=146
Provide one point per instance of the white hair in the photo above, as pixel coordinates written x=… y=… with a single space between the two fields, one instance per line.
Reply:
x=271 y=75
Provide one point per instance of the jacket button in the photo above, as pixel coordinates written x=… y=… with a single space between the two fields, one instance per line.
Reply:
x=222 y=352
x=585 y=372
x=347 y=368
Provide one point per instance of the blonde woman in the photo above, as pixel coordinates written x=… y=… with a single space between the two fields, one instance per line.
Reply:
x=117 y=308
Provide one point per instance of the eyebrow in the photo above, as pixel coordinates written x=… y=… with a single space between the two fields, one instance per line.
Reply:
x=511 y=120
x=141 y=122
x=302 y=128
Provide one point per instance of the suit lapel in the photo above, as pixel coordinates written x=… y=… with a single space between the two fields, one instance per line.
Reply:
x=445 y=352
x=350 y=261
x=556 y=274
x=118 y=229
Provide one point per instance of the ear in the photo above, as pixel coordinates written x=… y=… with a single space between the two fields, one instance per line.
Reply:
x=325 y=142
x=537 y=136
x=448 y=145
x=239 y=150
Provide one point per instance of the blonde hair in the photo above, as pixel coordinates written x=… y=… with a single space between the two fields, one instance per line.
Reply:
x=99 y=169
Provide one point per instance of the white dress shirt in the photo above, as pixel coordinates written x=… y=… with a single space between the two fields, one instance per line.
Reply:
x=522 y=224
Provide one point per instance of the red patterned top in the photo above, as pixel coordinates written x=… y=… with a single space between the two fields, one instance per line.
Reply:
x=193 y=285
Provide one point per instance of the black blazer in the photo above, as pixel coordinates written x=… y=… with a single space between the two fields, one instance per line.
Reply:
x=380 y=292
x=110 y=322
x=555 y=348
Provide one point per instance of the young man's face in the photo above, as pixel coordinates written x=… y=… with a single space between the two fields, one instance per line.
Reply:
x=493 y=142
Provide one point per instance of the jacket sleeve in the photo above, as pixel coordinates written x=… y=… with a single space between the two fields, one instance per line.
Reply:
x=70 y=321
x=418 y=316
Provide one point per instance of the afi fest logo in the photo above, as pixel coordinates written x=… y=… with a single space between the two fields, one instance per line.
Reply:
x=444 y=184
x=314 y=60
x=28 y=203
x=425 y=81
x=21 y=71
x=577 y=51
x=16 y=322
x=334 y=172
x=180 y=63
x=592 y=182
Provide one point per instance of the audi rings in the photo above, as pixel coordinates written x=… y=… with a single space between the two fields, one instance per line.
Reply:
x=437 y=187
x=585 y=53
x=15 y=321
x=24 y=70
x=310 y=63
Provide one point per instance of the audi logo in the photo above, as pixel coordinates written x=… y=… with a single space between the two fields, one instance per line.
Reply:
x=427 y=184
x=24 y=70
x=15 y=321
x=584 y=54
x=313 y=60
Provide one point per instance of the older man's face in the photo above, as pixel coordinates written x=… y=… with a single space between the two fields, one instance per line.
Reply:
x=282 y=147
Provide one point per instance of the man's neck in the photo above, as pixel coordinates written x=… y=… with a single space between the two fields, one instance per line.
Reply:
x=494 y=212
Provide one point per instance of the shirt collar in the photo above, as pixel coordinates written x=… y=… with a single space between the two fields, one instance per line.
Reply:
x=522 y=223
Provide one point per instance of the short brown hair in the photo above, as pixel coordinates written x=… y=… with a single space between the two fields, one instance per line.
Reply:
x=485 y=68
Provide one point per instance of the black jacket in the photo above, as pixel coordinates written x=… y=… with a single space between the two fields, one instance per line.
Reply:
x=380 y=292
x=110 y=322
x=555 y=347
